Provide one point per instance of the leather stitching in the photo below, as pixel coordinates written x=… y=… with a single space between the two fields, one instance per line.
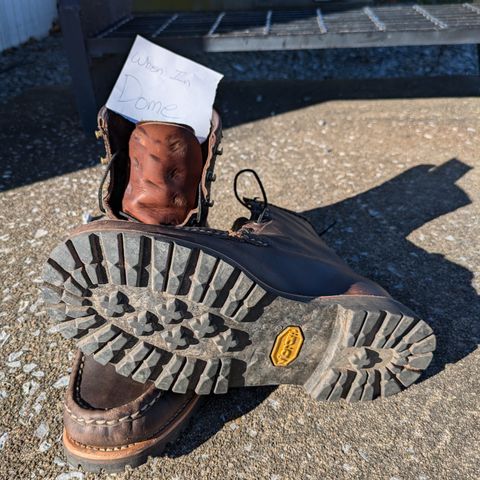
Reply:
x=102 y=421
x=123 y=447
x=128 y=418
x=247 y=238
x=78 y=398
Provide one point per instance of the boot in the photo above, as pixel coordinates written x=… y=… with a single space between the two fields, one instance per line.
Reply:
x=159 y=173
x=264 y=304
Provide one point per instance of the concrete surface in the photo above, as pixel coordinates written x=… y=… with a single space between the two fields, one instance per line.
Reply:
x=400 y=177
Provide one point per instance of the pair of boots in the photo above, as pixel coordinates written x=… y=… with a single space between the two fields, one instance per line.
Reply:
x=166 y=310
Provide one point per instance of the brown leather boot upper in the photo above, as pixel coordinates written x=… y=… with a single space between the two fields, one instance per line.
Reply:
x=106 y=410
x=165 y=171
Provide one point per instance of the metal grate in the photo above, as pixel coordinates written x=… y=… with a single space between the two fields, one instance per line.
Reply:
x=302 y=28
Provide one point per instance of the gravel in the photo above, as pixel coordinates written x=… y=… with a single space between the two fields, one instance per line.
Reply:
x=43 y=62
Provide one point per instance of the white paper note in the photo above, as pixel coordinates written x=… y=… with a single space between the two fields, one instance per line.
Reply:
x=156 y=84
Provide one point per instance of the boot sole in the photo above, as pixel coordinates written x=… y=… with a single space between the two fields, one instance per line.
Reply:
x=162 y=310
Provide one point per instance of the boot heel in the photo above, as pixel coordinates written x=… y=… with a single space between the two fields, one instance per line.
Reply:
x=376 y=352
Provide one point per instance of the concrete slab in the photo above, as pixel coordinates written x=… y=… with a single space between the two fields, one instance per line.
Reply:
x=401 y=179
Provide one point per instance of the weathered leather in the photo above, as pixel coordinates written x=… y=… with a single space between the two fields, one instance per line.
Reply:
x=284 y=254
x=104 y=409
x=116 y=132
x=301 y=263
x=165 y=171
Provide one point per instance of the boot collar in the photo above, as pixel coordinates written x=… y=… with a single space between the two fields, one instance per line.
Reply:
x=115 y=131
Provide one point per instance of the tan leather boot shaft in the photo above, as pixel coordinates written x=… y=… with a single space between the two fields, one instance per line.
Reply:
x=165 y=170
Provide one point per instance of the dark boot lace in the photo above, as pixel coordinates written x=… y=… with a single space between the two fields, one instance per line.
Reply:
x=259 y=212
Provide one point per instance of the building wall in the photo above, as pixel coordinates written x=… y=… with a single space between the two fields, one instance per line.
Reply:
x=22 y=19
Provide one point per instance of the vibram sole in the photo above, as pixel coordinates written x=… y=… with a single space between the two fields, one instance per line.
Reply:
x=186 y=318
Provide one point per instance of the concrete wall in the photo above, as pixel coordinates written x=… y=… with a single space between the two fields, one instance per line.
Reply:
x=22 y=19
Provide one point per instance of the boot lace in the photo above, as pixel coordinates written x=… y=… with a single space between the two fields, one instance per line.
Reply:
x=258 y=209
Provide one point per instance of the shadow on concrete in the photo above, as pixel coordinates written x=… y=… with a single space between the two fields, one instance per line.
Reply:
x=242 y=102
x=371 y=233
x=41 y=136
x=215 y=413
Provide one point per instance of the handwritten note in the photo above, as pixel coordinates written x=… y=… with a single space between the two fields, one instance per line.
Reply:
x=156 y=84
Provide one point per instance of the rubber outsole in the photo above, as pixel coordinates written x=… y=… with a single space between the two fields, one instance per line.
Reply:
x=185 y=319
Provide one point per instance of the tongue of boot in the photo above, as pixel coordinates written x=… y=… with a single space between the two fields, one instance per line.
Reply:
x=166 y=166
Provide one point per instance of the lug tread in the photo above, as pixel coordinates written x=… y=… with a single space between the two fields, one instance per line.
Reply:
x=236 y=295
x=219 y=279
x=354 y=327
x=147 y=367
x=169 y=372
x=62 y=256
x=113 y=253
x=92 y=342
x=203 y=272
x=221 y=385
x=389 y=385
x=354 y=394
x=73 y=287
x=255 y=295
x=179 y=262
x=424 y=346
x=57 y=312
x=135 y=254
x=404 y=324
x=88 y=250
x=379 y=352
x=111 y=349
x=75 y=327
x=184 y=379
x=326 y=385
x=420 y=362
x=160 y=255
x=337 y=390
x=387 y=352
x=419 y=332
x=50 y=294
x=207 y=378
x=127 y=365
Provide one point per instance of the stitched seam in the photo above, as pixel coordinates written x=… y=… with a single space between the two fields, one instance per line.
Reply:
x=90 y=421
x=123 y=447
x=78 y=398
x=128 y=418
x=247 y=238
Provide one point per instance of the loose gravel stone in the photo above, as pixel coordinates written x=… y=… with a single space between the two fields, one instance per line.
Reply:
x=62 y=382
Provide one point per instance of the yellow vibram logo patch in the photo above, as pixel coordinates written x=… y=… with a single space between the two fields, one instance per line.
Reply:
x=287 y=346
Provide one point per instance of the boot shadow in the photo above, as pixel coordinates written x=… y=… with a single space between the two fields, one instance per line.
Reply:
x=216 y=411
x=371 y=233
